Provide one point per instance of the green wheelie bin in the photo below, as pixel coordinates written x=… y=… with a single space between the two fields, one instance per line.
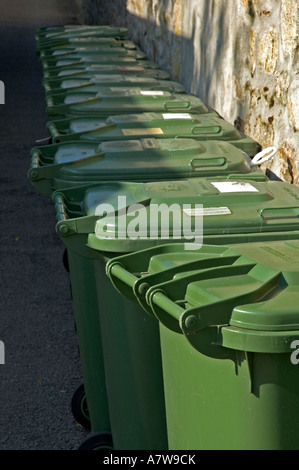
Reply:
x=160 y=85
x=112 y=47
x=48 y=32
x=78 y=41
x=67 y=66
x=202 y=127
x=96 y=90
x=56 y=87
x=140 y=68
x=58 y=166
x=52 y=36
x=100 y=57
x=98 y=47
x=119 y=63
x=103 y=57
x=109 y=102
x=71 y=164
x=86 y=79
x=97 y=86
x=130 y=337
x=119 y=47
x=125 y=47
x=229 y=332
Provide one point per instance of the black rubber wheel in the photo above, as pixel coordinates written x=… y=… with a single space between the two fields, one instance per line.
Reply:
x=65 y=261
x=97 y=441
x=80 y=408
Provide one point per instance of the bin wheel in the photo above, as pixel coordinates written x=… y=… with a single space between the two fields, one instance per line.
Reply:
x=65 y=261
x=80 y=408
x=97 y=441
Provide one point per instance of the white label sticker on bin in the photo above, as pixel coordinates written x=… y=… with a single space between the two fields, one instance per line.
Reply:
x=152 y=92
x=128 y=68
x=176 y=116
x=234 y=187
x=143 y=131
x=204 y=211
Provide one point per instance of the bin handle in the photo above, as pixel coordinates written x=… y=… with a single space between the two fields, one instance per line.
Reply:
x=122 y=280
x=117 y=269
x=177 y=105
x=60 y=207
x=34 y=169
x=35 y=159
x=53 y=130
x=171 y=311
x=49 y=101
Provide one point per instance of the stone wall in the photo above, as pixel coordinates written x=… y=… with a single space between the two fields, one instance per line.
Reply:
x=240 y=56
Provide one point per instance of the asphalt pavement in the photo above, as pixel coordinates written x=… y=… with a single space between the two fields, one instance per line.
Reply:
x=42 y=365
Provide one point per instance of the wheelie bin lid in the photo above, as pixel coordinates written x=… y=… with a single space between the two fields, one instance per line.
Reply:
x=242 y=296
x=72 y=163
x=64 y=65
x=125 y=47
x=140 y=68
x=66 y=31
x=77 y=40
x=57 y=86
x=100 y=57
x=201 y=127
x=135 y=100
x=158 y=85
x=98 y=87
x=122 y=217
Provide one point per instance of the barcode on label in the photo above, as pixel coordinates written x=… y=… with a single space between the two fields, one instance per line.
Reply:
x=205 y=211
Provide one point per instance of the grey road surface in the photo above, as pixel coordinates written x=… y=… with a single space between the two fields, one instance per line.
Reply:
x=42 y=365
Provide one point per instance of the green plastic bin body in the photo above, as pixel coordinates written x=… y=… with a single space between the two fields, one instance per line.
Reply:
x=88 y=334
x=258 y=419
x=159 y=125
x=130 y=403
x=229 y=339
x=135 y=384
x=139 y=420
